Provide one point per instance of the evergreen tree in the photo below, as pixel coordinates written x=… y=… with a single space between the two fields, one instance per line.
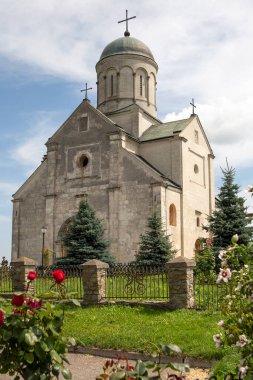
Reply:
x=155 y=247
x=229 y=217
x=84 y=238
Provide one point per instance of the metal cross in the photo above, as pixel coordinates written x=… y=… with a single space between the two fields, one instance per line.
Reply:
x=126 y=34
x=193 y=106
x=86 y=89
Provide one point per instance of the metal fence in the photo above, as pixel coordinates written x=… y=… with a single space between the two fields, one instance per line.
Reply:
x=134 y=282
x=45 y=281
x=6 y=279
x=124 y=282
x=209 y=294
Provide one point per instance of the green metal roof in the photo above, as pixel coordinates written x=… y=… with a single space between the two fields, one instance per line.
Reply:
x=159 y=131
x=126 y=45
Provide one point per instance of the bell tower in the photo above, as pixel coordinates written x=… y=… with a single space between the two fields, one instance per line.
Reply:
x=126 y=74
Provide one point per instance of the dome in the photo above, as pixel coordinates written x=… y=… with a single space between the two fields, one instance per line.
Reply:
x=126 y=45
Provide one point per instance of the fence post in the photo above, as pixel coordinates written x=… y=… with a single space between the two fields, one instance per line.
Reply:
x=21 y=267
x=94 y=281
x=180 y=282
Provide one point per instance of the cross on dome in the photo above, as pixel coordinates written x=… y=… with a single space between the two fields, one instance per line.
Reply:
x=127 y=33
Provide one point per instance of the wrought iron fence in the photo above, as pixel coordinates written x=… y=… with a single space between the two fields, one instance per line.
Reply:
x=209 y=294
x=6 y=272
x=73 y=282
x=135 y=282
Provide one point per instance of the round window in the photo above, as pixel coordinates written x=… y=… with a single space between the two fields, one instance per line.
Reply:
x=83 y=161
x=196 y=169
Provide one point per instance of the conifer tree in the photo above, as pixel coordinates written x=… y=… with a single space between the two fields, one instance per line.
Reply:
x=155 y=247
x=229 y=217
x=84 y=238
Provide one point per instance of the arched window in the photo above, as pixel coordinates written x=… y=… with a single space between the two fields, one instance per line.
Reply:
x=141 y=85
x=173 y=215
x=111 y=85
x=198 y=245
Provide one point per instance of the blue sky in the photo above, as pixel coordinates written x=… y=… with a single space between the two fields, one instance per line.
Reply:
x=49 y=48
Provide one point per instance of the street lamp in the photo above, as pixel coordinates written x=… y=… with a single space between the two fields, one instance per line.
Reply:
x=43 y=231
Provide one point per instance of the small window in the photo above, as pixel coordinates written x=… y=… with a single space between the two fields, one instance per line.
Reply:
x=173 y=215
x=83 y=124
x=141 y=85
x=196 y=169
x=83 y=161
x=198 y=221
x=196 y=137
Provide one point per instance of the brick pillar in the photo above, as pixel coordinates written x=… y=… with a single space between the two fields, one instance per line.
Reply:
x=94 y=281
x=21 y=267
x=180 y=281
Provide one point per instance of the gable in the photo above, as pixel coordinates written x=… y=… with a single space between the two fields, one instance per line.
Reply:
x=195 y=134
x=83 y=121
x=35 y=184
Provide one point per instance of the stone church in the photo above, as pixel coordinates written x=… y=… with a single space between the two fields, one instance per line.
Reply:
x=124 y=160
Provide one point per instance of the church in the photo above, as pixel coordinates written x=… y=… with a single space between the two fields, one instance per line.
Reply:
x=124 y=160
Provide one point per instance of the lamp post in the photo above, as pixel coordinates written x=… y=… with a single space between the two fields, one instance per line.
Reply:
x=43 y=231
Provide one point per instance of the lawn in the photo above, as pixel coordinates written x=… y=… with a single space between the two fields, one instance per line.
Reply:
x=136 y=328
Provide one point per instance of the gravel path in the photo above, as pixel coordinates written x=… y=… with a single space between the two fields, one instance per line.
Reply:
x=87 y=367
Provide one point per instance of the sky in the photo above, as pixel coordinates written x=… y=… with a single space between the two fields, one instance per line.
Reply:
x=48 y=51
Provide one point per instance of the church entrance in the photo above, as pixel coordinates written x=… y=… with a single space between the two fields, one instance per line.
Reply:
x=60 y=249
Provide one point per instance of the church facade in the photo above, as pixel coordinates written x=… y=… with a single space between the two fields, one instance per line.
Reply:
x=124 y=160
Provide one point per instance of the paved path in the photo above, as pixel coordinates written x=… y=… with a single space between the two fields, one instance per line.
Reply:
x=87 y=367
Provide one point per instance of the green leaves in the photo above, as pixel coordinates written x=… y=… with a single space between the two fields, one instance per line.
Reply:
x=66 y=374
x=31 y=343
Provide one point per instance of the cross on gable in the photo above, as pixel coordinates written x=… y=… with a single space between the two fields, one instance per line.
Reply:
x=193 y=106
x=126 y=34
x=86 y=89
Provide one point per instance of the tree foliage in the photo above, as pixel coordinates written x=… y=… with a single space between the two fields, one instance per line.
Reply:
x=84 y=239
x=229 y=217
x=155 y=246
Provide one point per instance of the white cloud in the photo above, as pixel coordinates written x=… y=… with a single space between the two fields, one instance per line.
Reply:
x=30 y=150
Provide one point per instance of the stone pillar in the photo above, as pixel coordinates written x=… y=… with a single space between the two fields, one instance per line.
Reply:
x=21 y=267
x=94 y=281
x=180 y=282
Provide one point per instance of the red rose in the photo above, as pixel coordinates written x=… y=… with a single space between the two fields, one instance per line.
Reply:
x=1 y=318
x=34 y=304
x=31 y=276
x=18 y=300
x=59 y=276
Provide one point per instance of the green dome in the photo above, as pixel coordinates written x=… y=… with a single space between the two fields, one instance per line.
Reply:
x=126 y=45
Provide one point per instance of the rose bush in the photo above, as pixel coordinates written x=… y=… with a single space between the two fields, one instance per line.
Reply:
x=237 y=327
x=31 y=342
x=121 y=369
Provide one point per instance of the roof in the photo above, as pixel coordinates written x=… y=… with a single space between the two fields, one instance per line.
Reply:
x=159 y=131
x=126 y=45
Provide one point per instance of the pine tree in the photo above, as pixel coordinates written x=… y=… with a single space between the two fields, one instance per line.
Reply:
x=229 y=217
x=155 y=247
x=84 y=238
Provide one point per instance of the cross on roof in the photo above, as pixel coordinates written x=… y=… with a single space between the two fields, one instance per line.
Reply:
x=126 y=34
x=193 y=106
x=86 y=89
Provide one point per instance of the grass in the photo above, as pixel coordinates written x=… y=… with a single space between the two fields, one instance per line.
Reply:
x=137 y=328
